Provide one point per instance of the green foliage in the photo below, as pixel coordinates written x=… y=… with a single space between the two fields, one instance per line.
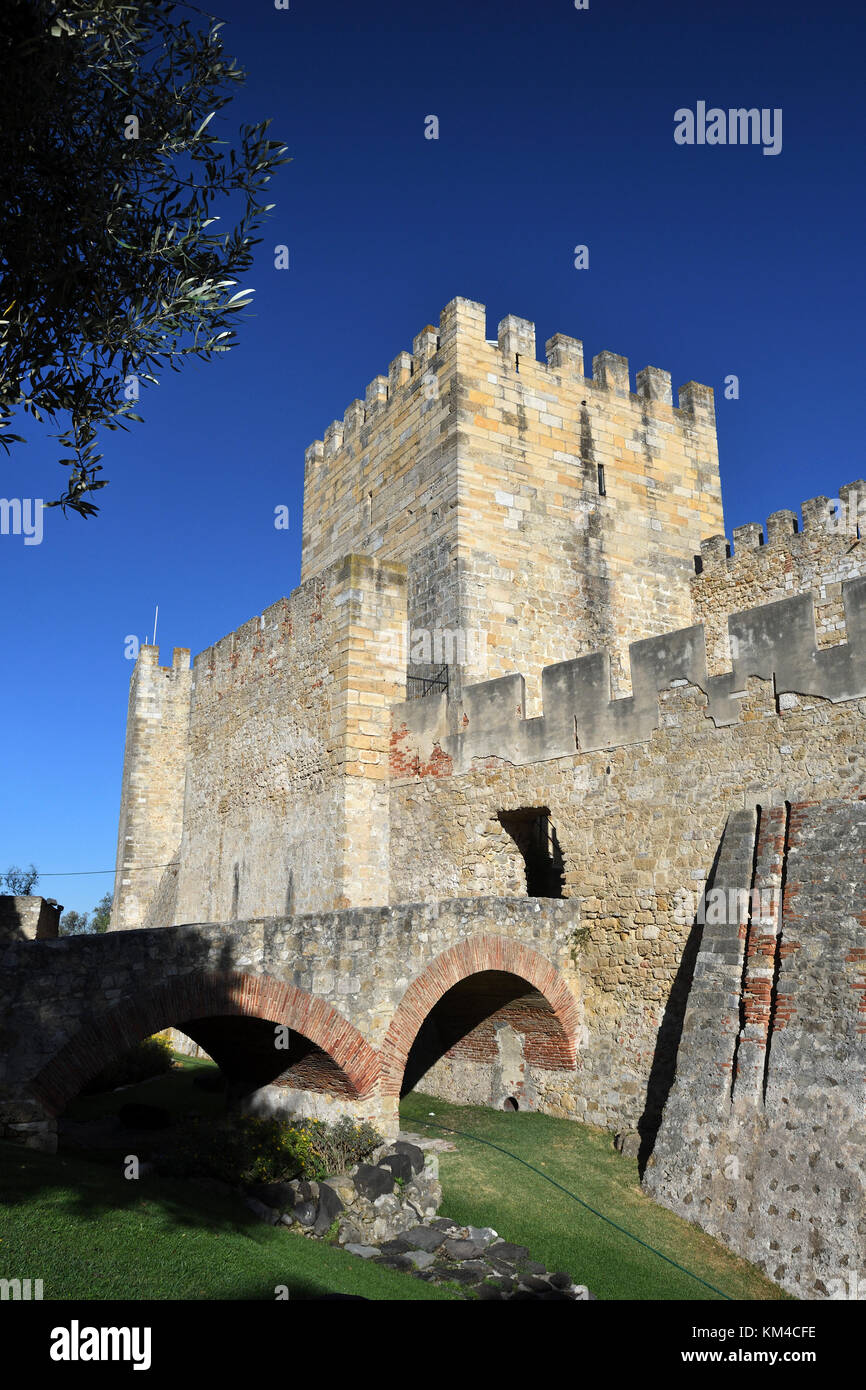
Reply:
x=74 y=923
x=151 y=1057
x=247 y=1149
x=19 y=882
x=102 y=913
x=110 y=266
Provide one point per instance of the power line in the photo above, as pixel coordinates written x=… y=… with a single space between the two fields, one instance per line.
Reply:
x=601 y=1216
x=83 y=873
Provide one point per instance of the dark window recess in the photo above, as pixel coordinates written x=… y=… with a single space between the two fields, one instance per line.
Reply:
x=602 y=491
x=429 y=680
x=535 y=837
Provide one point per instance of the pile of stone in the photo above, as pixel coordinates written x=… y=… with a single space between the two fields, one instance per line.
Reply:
x=371 y=1203
x=386 y=1210
x=476 y=1258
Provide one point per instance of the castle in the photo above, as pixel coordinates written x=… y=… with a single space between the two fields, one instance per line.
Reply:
x=524 y=662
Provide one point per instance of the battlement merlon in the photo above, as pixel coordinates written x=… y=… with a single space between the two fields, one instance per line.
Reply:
x=776 y=641
x=148 y=655
x=464 y=322
x=843 y=517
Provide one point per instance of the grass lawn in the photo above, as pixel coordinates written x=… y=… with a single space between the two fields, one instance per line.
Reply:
x=87 y=1232
x=76 y=1223
x=486 y=1188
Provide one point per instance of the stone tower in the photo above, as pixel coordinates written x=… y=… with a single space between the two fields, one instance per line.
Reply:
x=541 y=514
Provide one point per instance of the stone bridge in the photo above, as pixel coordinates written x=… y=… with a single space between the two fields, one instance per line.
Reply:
x=372 y=999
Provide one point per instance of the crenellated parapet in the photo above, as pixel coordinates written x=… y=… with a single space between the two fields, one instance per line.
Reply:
x=464 y=322
x=506 y=483
x=774 y=642
x=841 y=518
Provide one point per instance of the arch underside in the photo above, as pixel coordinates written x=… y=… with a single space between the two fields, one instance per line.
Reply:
x=233 y=1017
x=465 y=997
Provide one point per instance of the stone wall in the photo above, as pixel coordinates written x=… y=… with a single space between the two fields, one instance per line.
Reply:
x=763 y=1134
x=28 y=918
x=259 y=778
x=353 y=987
x=541 y=513
x=639 y=827
x=154 y=767
x=781 y=559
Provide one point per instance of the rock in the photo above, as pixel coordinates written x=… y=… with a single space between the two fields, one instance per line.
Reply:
x=412 y=1152
x=559 y=1280
x=387 y=1205
x=442 y=1223
x=487 y=1294
x=456 y=1273
x=533 y=1267
x=421 y=1259
x=628 y=1143
x=330 y=1207
x=286 y=1219
x=372 y=1182
x=366 y=1252
x=533 y=1283
x=400 y=1165
x=263 y=1212
x=482 y=1235
x=344 y=1188
x=304 y=1213
x=462 y=1249
x=504 y=1250
x=397 y=1245
x=424 y=1238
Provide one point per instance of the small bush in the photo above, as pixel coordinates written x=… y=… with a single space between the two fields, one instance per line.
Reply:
x=248 y=1149
x=151 y=1057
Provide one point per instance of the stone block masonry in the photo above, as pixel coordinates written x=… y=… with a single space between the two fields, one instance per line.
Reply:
x=545 y=512
x=259 y=777
x=626 y=691
x=763 y=1133
x=353 y=987
x=28 y=918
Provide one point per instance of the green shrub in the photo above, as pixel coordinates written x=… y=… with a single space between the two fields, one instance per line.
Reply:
x=151 y=1057
x=248 y=1149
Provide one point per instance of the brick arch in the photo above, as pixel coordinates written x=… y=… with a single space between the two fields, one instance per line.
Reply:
x=204 y=995
x=471 y=957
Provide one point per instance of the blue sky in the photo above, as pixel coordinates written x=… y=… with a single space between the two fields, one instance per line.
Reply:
x=556 y=129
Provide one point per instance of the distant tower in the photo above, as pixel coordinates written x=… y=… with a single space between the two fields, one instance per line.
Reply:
x=542 y=515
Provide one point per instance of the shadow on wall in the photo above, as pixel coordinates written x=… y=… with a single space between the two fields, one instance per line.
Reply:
x=246 y=1023
x=465 y=1022
x=531 y=830
x=28 y=918
x=664 y=1063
